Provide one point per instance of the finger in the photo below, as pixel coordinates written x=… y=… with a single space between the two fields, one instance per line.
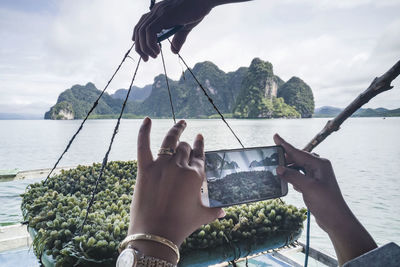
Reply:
x=182 y=153
x=288 y=159
x=151 y=42
x=142 y=31
x=300 y=181
x=143 y=37
x=198 y=147
x=299 y=157
x=172 y=137
x=217 y=213
x=136 y=35
x=151 y=36
x=139 y=42
x=197 y=155
x=295 y=188
x=138 y=24
x=138 y=49
x=210 y=214
x=180 y=37
x=140 y=52
x=178 y=40
x=143 y=147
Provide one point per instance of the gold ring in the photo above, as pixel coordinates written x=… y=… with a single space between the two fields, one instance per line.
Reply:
x=166 y=151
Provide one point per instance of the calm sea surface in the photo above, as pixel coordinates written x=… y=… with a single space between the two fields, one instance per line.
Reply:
x=365 y=154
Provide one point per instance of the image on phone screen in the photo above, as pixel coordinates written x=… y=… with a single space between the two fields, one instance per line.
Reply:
x=243 y=175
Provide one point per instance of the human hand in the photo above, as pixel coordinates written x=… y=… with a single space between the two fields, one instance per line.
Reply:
x=166 y=200
x=321 y=192
x=322 y=195
x=164 y=15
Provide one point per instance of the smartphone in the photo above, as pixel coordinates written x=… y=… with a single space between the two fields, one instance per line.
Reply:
x=240 y=176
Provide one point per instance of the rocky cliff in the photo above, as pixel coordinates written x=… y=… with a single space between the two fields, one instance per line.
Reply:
x=258 y=91
x=298 y=94
x=248 y=92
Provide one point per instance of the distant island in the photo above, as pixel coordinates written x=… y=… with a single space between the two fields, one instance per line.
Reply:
x=248 y=92
x=330 y=112
x=20 y=116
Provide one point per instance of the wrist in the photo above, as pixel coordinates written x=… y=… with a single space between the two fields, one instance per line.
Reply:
x=154 y=249
x=344 y=221
x=161 y=229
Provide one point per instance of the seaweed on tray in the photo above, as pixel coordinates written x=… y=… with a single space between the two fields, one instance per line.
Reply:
x=55 y=210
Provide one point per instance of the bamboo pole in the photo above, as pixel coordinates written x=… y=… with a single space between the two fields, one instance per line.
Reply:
x=378 y=85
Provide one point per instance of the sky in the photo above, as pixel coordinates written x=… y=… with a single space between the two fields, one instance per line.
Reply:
x=242 y=158
x=337 y=47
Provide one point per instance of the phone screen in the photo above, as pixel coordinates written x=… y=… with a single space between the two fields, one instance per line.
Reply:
x=242 y=175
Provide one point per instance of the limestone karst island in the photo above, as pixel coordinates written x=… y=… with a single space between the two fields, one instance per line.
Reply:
x=248 y=92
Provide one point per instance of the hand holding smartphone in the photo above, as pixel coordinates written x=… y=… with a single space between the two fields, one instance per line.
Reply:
x=240 y=176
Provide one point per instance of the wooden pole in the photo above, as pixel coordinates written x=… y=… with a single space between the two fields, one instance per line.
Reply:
x=378 y=85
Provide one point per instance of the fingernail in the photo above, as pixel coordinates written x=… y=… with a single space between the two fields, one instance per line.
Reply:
x=200 y=136
x=221 y=213
x=280 y=170
x=182 y=122
x=146 y=121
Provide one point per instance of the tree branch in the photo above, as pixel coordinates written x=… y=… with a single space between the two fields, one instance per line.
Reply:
x=378 y=85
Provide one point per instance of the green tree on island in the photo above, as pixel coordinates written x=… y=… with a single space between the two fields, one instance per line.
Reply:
x=257 y=98
x=298 y=94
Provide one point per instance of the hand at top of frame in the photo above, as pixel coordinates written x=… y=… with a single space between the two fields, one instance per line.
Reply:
x=166 y=200
x=164 y=15
x=322 y=195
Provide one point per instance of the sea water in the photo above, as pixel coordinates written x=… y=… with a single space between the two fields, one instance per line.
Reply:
x=365 y=155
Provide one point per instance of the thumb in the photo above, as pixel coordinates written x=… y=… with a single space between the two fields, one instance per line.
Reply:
x=210 y=214
x=178 y=40
x=180 y=37
x=220 y=213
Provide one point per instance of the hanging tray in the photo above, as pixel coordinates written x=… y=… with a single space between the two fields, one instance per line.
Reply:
x=206 y=257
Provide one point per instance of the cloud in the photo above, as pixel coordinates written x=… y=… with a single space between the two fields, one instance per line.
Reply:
x=337 y=47
x=345 y=4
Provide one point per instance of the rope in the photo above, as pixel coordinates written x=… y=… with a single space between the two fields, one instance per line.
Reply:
x=307 y=238
x=166 y=79
x=105 y=159
x=88 y=114
x=152 y=3
x=208 y=97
